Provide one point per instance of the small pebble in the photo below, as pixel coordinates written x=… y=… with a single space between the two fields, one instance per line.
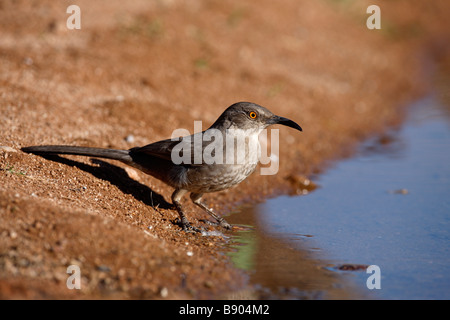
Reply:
x=103 y=268
x=133 y=174
x=28 y=61
x=164 y=292
x=129 y=138
x=400 y=191
x=7 y=149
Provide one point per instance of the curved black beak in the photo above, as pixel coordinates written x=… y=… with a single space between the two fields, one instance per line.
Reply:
x=285 y=122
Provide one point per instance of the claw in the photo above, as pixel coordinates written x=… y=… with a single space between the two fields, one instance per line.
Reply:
x=221 y=223
x=225 y=225
x=190 y=229
x=187 y=227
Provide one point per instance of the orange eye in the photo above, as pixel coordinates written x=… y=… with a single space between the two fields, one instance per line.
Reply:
x=252 y=114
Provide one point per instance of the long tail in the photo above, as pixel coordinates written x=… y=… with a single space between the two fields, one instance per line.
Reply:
x=121 y=155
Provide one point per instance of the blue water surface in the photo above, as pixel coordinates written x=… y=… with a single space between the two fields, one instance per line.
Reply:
x=387 y=206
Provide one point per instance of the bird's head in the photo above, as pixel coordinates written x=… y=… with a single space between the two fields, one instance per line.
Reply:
x=250 y=116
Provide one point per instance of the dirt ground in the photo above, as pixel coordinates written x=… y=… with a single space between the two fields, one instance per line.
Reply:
x=144 y=68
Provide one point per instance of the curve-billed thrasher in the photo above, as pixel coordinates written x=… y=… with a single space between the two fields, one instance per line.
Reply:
x=208 y=164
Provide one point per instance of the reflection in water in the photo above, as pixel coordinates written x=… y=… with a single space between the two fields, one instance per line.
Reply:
x=280 y=269
x=388 y=206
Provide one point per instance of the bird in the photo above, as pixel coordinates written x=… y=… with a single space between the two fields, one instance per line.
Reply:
x=215 y=159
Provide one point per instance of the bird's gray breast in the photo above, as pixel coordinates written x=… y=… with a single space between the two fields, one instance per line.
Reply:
x=216 y=177
x=227 y=158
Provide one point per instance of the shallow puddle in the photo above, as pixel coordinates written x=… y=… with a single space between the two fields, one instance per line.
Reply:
x=388 y=206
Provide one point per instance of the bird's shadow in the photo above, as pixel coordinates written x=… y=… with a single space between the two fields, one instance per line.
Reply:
x=118 y=177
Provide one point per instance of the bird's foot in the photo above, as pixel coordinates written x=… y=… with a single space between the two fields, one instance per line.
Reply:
x=225 y=224
x=187 y=227
x=222 y=223
x=191 y=229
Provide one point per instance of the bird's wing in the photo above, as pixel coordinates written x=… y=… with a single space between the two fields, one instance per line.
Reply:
x=178 y=150
x=161 y=149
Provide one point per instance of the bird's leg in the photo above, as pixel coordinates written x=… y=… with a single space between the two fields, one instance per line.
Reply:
x=176 y=197
x=197 y=199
